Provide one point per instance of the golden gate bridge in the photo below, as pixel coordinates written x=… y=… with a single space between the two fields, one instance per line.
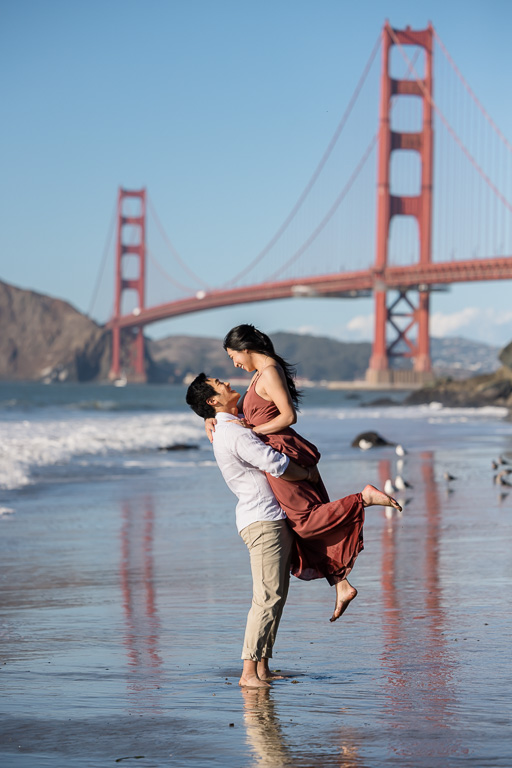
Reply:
x=420 y=242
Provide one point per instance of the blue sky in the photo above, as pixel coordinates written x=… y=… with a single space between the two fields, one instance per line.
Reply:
x=222 y=110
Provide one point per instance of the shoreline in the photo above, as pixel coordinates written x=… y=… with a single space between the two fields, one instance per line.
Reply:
x=125 y=598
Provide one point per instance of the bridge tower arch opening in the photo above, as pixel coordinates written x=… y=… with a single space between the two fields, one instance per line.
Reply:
x=402 y=324
x=130 y=276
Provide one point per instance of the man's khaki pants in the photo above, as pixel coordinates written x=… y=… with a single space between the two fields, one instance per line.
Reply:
x=270 y=544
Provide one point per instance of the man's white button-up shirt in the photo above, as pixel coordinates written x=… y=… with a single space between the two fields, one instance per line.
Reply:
x=243 y=458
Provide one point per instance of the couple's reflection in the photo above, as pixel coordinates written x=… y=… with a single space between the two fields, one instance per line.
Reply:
x=266 y=738
x=264 y=731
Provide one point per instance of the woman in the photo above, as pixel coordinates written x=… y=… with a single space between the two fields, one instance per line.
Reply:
x=330 y=532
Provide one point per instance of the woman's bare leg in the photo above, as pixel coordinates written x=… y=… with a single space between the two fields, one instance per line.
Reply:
x=345 y=592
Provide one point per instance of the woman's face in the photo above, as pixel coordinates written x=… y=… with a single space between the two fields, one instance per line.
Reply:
x=241 y=359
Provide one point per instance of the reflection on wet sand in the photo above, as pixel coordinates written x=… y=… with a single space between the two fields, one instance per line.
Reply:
x=141 y=636
x=264 y=732
x=270 y=748
x=419 y=688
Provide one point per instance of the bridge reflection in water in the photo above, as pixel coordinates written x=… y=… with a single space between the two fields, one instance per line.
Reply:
x=142 y=625
x=419 y=690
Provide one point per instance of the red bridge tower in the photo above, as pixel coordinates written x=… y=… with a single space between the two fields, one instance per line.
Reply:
x=391 y=317
x=131 y=241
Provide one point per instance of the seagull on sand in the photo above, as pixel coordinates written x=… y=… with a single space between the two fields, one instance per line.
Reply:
x=400 y=450
x=500 y=479
x=389 y=488
x=401 y=484
x=448 y=477
x=365 y=445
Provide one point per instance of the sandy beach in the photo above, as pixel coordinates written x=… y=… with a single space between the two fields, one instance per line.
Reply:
x=124 y=602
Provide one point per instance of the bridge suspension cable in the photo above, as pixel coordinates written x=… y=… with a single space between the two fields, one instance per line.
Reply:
x=472 y=93
x=309 y=186
x=359 y=167
x=174 y=252
x=450 y=128
x=101 y=271
x=185 y=288
x=330 y=213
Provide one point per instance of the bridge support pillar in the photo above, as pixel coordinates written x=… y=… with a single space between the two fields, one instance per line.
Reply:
x=393 y=339
x=131 y=242
x=422 y=353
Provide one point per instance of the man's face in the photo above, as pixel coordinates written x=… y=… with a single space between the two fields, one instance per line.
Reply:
x=224 y=395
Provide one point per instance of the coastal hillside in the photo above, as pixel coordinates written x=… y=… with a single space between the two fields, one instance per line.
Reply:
x=315 y=358
x=47 y=339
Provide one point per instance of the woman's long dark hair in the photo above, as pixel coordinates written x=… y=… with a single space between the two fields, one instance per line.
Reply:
x=248 y=337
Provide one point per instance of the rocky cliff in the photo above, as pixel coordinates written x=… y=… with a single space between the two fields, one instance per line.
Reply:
x=490 y=389
x=46 y=338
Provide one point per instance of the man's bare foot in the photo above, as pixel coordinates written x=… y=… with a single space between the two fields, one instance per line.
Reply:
x=345 y=593
x=272 y=676
x=252 y=681
x=372 y=496
x=265 y=673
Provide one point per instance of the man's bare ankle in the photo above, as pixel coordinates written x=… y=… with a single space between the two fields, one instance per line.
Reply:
x=252 y=681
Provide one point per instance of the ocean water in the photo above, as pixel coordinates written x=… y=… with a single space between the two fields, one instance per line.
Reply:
x=125 y=587
x=72 y=432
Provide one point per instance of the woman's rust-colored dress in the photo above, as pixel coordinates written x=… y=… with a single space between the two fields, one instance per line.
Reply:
x=329 y=534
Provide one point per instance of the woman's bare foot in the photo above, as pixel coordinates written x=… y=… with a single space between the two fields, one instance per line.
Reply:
x=372 y=496
x=345 y=593
x=252 y=682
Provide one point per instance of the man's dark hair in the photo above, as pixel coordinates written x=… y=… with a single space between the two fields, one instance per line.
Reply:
x=197 y=395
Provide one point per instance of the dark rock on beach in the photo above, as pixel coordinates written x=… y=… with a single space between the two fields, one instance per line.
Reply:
x=179 y=447
x=370 y=437
x=384 y=401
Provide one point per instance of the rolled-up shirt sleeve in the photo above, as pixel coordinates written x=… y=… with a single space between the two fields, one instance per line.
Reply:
x=250 y=449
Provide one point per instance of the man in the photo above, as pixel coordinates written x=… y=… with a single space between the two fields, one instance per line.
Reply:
x=243 y=459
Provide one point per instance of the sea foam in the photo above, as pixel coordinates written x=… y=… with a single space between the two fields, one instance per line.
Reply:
x=27 y=445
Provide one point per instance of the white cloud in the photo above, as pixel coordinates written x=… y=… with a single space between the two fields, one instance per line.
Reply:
x=485 y=324
x=444 y=324
x=308 y=330
x=361 y=327
x=502 y=318
x=491 y=325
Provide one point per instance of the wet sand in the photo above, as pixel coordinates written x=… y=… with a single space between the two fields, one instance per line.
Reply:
x=124 y=604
